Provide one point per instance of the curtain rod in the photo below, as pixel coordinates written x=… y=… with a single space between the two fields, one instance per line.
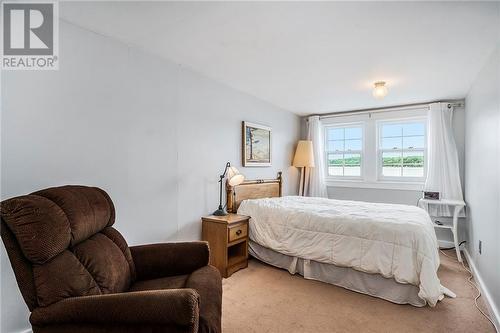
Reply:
x=415 y=106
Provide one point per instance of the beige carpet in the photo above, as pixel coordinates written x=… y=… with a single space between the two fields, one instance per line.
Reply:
x=263 y=298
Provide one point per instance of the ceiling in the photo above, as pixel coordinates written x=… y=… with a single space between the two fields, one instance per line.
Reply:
x=312 y=57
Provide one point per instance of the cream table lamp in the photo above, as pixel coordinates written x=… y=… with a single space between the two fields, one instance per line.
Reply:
x=304 y=159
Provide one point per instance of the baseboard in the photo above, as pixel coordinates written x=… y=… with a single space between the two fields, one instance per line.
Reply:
x=492 y=309
x=28 y=330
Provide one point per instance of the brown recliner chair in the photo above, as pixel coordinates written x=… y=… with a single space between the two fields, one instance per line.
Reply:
x=77 y=273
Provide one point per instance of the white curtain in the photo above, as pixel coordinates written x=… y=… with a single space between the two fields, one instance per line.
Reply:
x=316 y=186
x=443 y=173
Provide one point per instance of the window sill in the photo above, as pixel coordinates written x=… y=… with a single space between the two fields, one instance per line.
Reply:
x=385 y=185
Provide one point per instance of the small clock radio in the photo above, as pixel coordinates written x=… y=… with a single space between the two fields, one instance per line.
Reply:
x=431 y=195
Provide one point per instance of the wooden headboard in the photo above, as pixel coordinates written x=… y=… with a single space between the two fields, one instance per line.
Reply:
x=252 y=189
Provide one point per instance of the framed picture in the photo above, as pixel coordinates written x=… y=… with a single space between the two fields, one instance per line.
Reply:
x=256 y=145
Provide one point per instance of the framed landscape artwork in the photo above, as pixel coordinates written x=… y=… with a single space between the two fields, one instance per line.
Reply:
x=256 y=145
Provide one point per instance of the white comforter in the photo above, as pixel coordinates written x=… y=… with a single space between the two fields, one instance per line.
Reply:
x=396 y=241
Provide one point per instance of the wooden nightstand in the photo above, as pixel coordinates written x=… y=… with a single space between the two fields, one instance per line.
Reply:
x=227 y=237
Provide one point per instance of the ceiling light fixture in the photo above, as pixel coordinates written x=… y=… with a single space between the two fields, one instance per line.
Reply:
x=380 y=90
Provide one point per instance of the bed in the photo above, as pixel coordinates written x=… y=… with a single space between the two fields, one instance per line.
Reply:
x=383 y=250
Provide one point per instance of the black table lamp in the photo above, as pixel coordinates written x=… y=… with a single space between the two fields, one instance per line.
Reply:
x=234 y=177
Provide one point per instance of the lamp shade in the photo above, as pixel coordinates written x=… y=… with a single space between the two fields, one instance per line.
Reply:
x=304 y=155
x=234 y=177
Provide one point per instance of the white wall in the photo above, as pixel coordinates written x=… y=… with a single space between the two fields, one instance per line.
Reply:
x=482 y=166
x=153 y=134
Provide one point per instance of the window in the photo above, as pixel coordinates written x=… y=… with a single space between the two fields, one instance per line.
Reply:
x=385 y=150
x=344 y=148
x=402 y=150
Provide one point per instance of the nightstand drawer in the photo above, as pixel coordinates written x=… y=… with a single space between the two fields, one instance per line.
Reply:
x=237 y=232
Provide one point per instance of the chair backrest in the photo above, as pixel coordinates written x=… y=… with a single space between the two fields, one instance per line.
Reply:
x=61 y=244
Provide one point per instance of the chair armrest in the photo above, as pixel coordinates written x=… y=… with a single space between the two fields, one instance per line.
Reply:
x=173 y=306
x=168 y=259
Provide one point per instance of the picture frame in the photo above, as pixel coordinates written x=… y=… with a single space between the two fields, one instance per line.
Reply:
x=256 y=145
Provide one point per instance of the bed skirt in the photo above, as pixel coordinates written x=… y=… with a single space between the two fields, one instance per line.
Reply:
x=370 y=284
